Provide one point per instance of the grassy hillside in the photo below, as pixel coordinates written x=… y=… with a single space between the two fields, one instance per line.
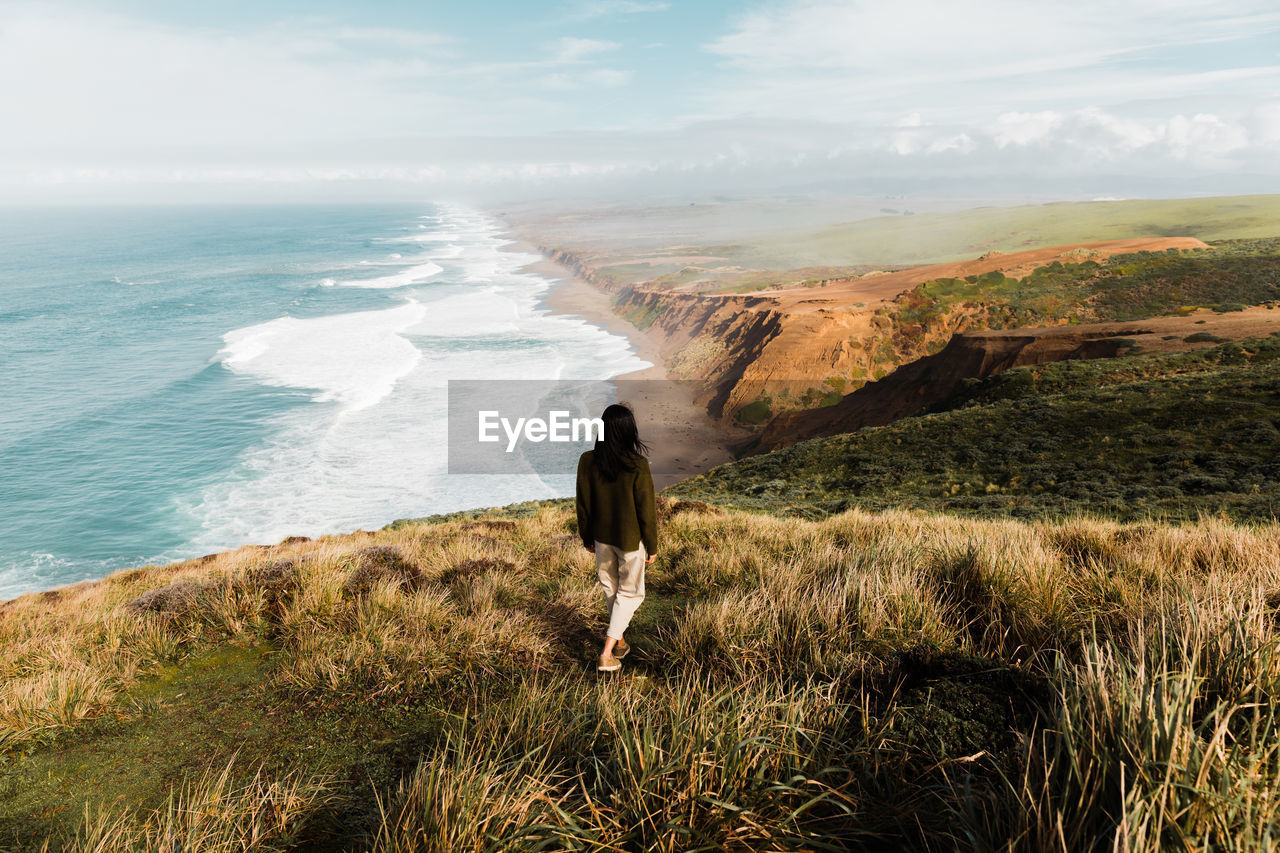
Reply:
x=1233 y=275
x=869 y=681
x=719 y=260
x=947 y=236
x=1161 y=436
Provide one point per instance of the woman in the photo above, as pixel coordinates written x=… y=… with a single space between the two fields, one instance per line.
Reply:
x=618 y=521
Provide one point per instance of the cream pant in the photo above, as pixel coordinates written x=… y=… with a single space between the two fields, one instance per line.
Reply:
x=622 y=576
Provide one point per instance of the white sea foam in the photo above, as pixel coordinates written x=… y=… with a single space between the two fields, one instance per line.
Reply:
x=450 y=249
x=354 y=359
x=429 y=237
x=385 y=455
x=473 y=313
x=29 y=571
x=416 y=274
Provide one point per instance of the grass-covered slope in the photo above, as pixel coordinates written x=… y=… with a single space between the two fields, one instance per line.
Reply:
x=1227 y=277
x=1160 y=436
x=952 y=235
x=625 y=246
x=869 y=681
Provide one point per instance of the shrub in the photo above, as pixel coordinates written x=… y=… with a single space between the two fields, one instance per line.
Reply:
x=755 y=412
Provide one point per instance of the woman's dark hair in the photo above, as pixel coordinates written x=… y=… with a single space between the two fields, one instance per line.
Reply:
x=621 y=445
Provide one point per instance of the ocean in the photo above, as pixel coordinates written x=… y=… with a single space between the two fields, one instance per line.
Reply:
x=181 y=380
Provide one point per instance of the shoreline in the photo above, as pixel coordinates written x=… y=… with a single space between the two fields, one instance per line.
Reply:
x=684 y=441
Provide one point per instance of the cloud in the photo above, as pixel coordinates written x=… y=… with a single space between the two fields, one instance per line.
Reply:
x=569 y=49
x=847 y=58
x=613 y=8
x=1203 y=136
x=1025 y=128
x=1043 y=88
x=798 y=91
x=102 y=83
x=89 y=89
x=571 y=63
x=979 y=37
x=379 y=37
x=1266 y=120
x=1085 y=154
x=599 y=78
x=961 y=142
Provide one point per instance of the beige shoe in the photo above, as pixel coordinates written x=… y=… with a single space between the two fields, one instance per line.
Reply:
x=621 y=650
x=608 y=663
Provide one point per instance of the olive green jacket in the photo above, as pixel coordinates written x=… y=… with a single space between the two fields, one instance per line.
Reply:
x=622 y=513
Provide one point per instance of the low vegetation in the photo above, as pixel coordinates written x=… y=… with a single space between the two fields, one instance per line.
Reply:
x=1171 y=437
x=866 y=681
x=929 y=238
x=1229 y=277
x=886 y=242
x=830 y=675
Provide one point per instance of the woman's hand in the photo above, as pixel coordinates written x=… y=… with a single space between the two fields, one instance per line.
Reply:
x=650 y=559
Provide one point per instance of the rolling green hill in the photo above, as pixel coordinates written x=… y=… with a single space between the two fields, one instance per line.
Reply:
x=1230 y=276
x=1171 y=436
x=787 y=255
x=948 y=236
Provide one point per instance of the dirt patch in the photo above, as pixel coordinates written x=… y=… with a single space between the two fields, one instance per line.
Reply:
x=178 y=599
x=668 y=507
x=468 y=569
x=490 y=542
x=490 y=524
x=278 y=582
x=281 y=574
x=379 y=564
x=566 y=540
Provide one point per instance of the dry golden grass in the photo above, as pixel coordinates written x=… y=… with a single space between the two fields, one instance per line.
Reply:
x=212 y=814
x=896 y=678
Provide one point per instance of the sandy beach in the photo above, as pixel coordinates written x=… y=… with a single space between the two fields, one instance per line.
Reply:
x=683 y=440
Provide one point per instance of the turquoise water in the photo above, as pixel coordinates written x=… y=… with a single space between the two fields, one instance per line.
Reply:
x=176 y=381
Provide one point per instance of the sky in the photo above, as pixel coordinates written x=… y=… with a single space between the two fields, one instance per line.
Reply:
x=325 y=97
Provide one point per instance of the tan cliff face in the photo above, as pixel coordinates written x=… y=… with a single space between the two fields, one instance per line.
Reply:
x=922 y=384
x=801 y=347
x=932 y=379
